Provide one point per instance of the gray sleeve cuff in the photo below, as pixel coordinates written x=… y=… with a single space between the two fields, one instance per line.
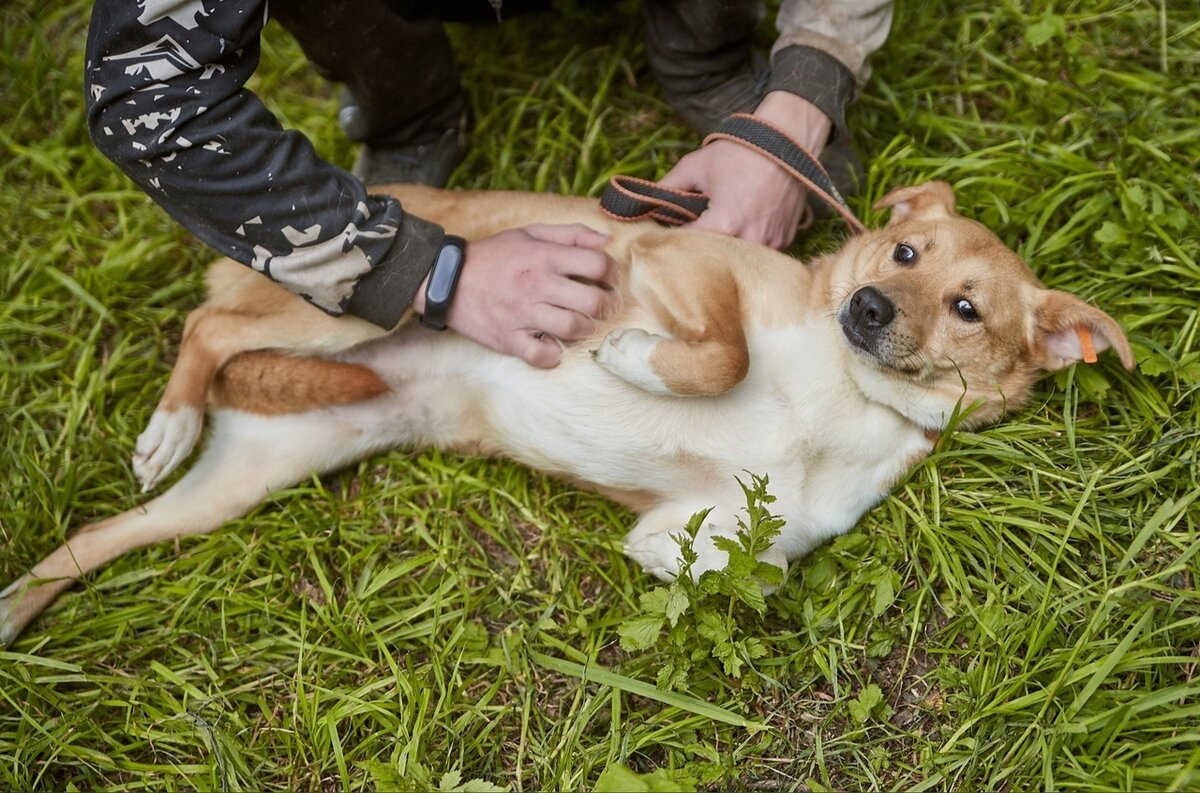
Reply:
x=816 y=76
x=384 y=294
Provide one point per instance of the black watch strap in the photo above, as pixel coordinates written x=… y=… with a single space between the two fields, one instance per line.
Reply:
x=443 y=280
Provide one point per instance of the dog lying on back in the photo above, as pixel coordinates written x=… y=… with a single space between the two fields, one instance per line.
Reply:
x=724 y=357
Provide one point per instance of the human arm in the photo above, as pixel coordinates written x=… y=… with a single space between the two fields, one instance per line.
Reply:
x=819 y=58
x=167 y=103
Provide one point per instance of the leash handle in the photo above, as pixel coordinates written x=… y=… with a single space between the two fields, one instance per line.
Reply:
x=630 y=198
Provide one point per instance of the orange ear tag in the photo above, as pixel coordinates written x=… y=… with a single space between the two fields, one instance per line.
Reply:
x=1085 y=343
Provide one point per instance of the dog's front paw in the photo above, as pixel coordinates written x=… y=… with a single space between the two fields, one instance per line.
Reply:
x=626 y=353
x=658 y=554
x=168 y=440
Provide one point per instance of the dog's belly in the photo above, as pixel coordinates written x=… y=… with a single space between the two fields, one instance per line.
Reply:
x=576 y=420
x=584 y=422
x=830 y=454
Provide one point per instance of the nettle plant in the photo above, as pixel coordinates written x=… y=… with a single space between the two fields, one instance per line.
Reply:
x=712 y=617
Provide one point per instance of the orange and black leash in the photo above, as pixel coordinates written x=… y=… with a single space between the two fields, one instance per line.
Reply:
x=631 y=198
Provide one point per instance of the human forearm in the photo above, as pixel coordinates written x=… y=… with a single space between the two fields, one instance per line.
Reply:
x=167 y=103
x=800 y=118
x=822 y=51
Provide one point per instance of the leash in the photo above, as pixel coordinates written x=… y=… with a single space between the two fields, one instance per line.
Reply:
x=630 y=198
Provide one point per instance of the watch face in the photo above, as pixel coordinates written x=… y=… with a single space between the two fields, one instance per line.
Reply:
x=445 y=273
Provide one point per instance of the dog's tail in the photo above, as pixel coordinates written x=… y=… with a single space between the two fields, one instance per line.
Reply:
x=272 y=384
x=248 y=457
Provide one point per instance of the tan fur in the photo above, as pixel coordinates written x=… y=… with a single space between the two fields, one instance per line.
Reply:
x=781 y=377
x=273 y=384
x=706 y=353
x=247 y=312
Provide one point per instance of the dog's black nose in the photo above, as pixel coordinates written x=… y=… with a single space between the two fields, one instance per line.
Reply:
x=870 y=309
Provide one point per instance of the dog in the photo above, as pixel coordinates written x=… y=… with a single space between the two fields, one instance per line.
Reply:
x=724 y=357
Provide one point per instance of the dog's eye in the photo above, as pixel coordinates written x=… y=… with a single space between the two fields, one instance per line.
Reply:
x=965 y=310
x=904 y=254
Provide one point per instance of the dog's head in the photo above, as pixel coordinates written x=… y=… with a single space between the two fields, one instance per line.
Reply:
x=936 y=309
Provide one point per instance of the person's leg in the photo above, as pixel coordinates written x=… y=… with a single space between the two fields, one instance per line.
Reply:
x=701 y=52
x=403 y=98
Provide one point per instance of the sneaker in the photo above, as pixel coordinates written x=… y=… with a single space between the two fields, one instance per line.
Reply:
x=430 y=163
x=425 y=150
x=741 y=93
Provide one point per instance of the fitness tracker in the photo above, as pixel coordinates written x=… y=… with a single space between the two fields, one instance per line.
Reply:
x=443 y=279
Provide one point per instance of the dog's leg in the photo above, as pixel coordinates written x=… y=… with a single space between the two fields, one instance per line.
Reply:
x=651 y=543
x=706 y=352
x=212 y=335
x=248 y=457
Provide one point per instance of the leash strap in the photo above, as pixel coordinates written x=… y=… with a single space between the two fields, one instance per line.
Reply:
x=631 y=198
x=776 y=145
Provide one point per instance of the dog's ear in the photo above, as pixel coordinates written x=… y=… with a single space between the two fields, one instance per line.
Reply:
x=1067 y=330
x=931 y=199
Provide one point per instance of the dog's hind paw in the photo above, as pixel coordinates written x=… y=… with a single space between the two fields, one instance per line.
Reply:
x=168 y=440
x=9 y=629
x=626 y=353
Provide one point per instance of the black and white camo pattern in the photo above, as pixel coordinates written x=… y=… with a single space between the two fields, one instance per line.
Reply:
x=166 y=101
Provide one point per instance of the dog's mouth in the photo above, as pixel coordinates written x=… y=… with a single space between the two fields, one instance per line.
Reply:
x=879 y=350
x=860 y=340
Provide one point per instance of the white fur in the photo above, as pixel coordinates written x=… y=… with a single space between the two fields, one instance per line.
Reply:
x=799 y=417
x=626 y=353
x=166 y=442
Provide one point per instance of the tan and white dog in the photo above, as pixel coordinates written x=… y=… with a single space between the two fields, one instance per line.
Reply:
x=725 y=357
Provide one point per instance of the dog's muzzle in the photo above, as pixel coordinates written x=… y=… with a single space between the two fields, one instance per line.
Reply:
x=865 y=317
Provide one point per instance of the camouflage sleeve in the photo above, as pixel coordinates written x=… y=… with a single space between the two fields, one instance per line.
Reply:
x=166 y=98
x=823 y=49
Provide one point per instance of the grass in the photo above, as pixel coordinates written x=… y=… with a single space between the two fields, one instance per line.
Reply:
x=1023 y=612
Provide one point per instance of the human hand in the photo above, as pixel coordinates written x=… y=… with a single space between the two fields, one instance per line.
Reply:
x=524 y=291
x=750 y=196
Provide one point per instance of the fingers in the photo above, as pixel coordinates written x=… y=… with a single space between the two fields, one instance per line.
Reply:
x=714 y=219
x=592 y=267
x=703 y=170
x=573 y=234
x=688 y=173
x=761 y=230
x=524 y=291
x=767 y=231
x=561 y=323
x=750 y=196
x=586 y=299
x=579 y=257
x=537 y=350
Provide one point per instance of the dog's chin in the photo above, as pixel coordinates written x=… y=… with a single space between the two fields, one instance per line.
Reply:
x=871 y=349
x=859 y=342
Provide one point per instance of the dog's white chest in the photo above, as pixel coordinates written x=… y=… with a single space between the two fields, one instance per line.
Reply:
x=830 y=453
